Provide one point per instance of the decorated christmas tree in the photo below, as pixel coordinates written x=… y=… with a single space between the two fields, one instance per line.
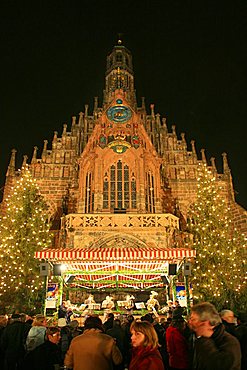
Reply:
x=23 y=230
x=219 y=272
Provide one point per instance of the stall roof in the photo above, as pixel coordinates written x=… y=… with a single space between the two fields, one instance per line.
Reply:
x=115 y=253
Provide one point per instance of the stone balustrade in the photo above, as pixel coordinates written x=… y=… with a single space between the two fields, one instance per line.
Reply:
x=130 y=221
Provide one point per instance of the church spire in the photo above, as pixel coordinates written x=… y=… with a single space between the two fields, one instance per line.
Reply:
x=226 y=169
x=119 y=74
x=11 y=167
x=34 y=158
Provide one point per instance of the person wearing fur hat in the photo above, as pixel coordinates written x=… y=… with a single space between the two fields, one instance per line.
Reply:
x=93 y=349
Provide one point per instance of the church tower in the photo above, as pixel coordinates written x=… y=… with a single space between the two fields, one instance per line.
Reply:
x=119 y=75
x=119 y=167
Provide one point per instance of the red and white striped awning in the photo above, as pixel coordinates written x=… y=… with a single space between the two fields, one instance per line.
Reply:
x=115 y=254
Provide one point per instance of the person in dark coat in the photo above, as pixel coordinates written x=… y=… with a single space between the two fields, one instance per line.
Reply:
x=145 y=353
x=228 y=320
x=128 y=319
x=62 y=310
x=3 y=323
x=47 y=355
x=13 y=343
x=177 y=309
x=118 y=334
x=108 y=324
x=242 y=335
x=66 y=333
x=165 y=324
x=214 y=348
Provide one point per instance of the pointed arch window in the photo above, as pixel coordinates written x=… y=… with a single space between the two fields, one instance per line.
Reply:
x=119 y=188
x=89 y=195
x=150 y=198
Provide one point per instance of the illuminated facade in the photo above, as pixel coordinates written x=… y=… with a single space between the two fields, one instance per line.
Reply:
x=119 y=182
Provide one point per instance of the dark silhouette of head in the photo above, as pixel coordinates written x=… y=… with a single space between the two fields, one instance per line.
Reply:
x=93 y=322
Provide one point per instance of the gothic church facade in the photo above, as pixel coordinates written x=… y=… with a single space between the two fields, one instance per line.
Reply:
x=118 y=175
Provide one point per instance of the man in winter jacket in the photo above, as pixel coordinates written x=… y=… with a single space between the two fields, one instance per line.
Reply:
x=228 y=318
x=93 y=349
x=214 y=348
x=12 y=342
x=46 y=356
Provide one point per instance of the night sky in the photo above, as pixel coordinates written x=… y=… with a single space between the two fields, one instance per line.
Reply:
x=189 y=60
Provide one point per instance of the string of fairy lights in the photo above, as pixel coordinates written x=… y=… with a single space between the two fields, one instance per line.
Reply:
x=220 y=266
x=23 y=230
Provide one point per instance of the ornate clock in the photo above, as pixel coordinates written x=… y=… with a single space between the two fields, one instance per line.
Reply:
x=119 y=113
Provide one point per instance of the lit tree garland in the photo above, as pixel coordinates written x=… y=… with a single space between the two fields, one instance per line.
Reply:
x=23 y=230
x=219 y=273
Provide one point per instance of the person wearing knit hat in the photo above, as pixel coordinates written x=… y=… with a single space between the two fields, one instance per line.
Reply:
x=93 y=349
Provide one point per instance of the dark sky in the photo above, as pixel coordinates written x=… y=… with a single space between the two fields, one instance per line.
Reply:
x=189 y=60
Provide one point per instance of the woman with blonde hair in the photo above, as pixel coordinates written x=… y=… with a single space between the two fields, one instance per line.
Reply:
x=36 y=335
x=145 y=353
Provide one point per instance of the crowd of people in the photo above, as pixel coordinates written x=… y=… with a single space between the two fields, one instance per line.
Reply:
x=206 y=340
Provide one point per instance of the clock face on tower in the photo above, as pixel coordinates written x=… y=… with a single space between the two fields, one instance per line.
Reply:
x=119 y=113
